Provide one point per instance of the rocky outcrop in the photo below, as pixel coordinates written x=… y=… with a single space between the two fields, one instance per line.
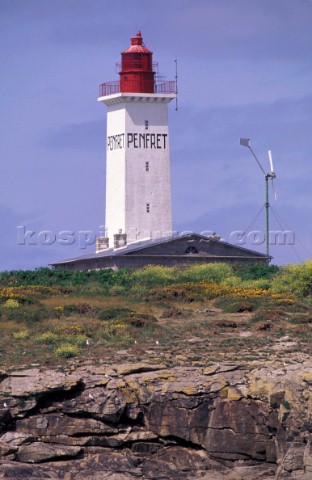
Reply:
x=147 y=421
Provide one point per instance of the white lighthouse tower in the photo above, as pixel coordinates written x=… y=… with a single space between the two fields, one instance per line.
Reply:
x=138 y=193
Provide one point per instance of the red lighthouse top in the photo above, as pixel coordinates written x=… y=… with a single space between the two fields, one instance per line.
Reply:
x=137 y=45
x=136 y=75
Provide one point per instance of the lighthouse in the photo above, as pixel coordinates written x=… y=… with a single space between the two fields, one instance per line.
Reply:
x=138 y=190
x=138 y=228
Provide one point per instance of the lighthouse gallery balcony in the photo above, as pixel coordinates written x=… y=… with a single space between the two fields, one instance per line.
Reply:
x=111 y=88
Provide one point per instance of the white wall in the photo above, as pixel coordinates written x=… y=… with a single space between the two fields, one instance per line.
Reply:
x=129 y=187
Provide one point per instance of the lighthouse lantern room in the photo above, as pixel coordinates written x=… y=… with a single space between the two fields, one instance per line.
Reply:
x=138 y=193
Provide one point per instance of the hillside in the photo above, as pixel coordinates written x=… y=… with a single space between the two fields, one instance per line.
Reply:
x=209 y=364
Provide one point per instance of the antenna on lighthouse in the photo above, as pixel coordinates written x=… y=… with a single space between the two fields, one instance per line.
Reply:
x=176 y=83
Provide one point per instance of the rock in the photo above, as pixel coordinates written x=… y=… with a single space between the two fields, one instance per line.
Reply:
x=39 y=452
x=99 y=402
x=240 y=430
x=307 y=459
x=183 y=417
x=18 y=471
x=16 y=438
x=34 y=382
x=128 y=368
x=6 y=450
x=175 y=463
x=58 y=424
x=130 y=421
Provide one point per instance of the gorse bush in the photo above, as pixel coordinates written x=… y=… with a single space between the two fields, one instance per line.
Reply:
x=296 y=279
x=21 y=334
x=211 y=272
x=27 y=286
x=80 y=340
x=153 y=275
x=48 y=338
x=67 y=350
x=11 y=303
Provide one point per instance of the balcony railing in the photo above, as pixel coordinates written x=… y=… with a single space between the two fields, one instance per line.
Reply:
x=165 y=87
x=110 y=88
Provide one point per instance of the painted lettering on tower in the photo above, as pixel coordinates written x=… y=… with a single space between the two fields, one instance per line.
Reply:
x=137 y=140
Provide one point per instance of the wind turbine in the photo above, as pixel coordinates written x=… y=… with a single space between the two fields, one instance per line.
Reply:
x=245 y=142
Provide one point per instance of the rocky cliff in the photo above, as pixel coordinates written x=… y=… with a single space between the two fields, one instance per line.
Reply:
x=132 y=421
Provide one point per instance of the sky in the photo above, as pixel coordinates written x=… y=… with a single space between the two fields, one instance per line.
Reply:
x=244 y=70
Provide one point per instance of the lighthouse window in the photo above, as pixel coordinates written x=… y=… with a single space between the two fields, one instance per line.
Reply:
x=148 y=208
x=147 y=166
x=146 y=124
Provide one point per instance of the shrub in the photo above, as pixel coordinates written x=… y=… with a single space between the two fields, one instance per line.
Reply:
x=67 y=329
x=79 y=308
x=173 y=312
x=65 y=278
x=27 y=315
x=48 y=337
x=211 y=272
x=113 y=313
x=80 y=340
x=153 y=275
x=140 y=320
x=268 y=314
x=237 y=305
x=117 y=332
x=226 y=324
x=11 y=303
x=67 y=350
x=301 y=319
x=20 y=335
x=255 y=271
x=294 y=278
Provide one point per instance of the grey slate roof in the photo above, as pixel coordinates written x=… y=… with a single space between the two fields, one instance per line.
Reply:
x=141 y=245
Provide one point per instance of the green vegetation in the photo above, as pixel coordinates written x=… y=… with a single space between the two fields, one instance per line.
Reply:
x=165 y=314
x=294 y=278
x=67 y=350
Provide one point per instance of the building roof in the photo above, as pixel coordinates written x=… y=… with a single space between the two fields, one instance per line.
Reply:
x=140 y=246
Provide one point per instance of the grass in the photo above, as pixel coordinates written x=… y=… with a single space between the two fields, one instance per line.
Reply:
x=159 y=315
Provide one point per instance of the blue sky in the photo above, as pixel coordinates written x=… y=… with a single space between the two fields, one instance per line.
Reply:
x=245 y=70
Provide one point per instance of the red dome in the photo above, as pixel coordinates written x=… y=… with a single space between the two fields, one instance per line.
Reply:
x=136 y=75
x=137 y=45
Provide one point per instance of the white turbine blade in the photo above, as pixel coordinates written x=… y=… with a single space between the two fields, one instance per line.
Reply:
x=271 y=161
x=273 y=189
